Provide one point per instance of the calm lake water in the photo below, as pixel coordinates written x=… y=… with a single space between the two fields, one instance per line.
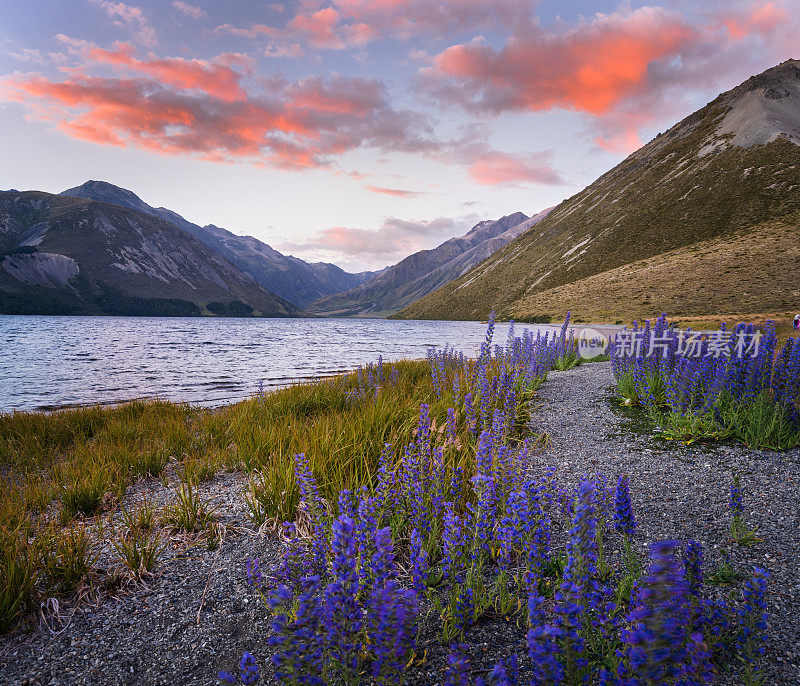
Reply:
x=48 y=362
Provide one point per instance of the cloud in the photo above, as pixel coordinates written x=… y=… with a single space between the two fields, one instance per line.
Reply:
x=411 y=18
x=320 y=28
x=199 y=108
x=27 y=55
x=342 y=24
x=189 y=10
x=75 y=46
x=219 y=77
x=129 y=17
x=621 y=70
x=495 y=168
x=590 y=68
x=763 y=19
x=392 y=241
x=394 y=192
x=217 y=109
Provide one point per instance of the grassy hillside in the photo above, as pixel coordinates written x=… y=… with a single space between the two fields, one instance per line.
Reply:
x=751 y=271
x=687 y=186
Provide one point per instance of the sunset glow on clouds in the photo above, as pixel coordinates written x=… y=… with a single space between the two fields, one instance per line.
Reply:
x=367 y=103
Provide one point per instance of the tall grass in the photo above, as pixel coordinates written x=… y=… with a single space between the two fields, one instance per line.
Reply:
x=77 y=461
x=347 y=428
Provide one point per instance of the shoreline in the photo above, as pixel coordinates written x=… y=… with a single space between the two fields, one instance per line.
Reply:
x=197 y=613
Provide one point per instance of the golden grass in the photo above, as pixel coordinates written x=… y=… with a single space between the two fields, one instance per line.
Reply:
x=62 y=468
x=723 y=279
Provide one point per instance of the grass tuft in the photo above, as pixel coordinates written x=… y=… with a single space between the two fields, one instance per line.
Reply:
x=188 y=512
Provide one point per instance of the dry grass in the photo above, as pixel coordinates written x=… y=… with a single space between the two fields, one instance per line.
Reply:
x=61 y=470
x=749 y=276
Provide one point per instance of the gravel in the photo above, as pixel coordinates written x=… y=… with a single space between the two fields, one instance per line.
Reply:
x=197 y=614
x=681 y=492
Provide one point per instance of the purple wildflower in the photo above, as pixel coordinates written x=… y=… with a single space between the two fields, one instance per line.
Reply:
x=657 y=641
x=419 y=564
x=457 y=666
x=624 y=521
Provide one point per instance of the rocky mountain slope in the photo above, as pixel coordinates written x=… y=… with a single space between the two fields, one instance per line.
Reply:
x=291 y=278
x=721 y=185
x=425 y=271
x=66 y=255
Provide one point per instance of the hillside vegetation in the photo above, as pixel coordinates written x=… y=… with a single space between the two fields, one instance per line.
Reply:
x=610 y=251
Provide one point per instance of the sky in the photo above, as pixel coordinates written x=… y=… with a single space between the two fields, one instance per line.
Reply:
x=359 y=131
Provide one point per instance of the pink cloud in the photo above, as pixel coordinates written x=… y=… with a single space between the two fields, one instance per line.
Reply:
x=320 y=28
x=217 y=77
x=189 y=10
x=495 y=168
x=761 y=19
x=343 y=24
x=622 y=70
x=410 y=18
x=394 y=192
x=590 y=68
x=393 y=240
x=293 y=125
x=130 y=17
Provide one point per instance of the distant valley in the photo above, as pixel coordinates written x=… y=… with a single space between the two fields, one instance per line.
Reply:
x=100 y=249
x=703 y=220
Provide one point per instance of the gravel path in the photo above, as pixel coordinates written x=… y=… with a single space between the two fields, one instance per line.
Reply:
x=681 y=492
x=198 y=614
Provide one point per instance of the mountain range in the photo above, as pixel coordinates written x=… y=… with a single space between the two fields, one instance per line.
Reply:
x=425 y=271
x=100 y=249
x=703 y=220
x=68 y=255
x=291 y=278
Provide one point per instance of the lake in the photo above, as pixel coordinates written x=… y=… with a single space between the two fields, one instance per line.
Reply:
x=50 y=362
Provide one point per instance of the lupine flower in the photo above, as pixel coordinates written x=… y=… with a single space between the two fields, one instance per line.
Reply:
x=457 y=666
x=365 y=528
x=485 y=514
x=391 y=635
x=253 y=572
x=299 y=643
x=753 y=615
x=424 y=427
x=464 y=610
x=693 y=566
x=542 y=648
x=469 y=410
x=452 y=544
x=511 y=526
x=381 y=564
x=501 y=675
x=624 y=521
x=735 y=500
x=657 y=641
x=419 y=564
x=697 y=667
x=249 y=669
x=451 y=425
x=343 y=615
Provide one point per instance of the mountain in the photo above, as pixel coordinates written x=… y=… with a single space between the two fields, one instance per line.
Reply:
x=704 y=219
x=425 y=271
x=67 y=255
x=297 y=281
